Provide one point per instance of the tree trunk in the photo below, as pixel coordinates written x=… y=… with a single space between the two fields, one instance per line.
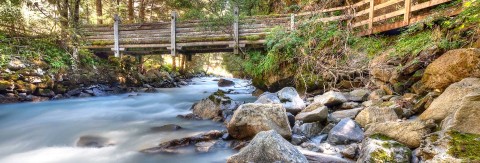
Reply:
x=130 y=11
x=141 y=13
x=76 y=14
x=182 y=64
x=98 y=5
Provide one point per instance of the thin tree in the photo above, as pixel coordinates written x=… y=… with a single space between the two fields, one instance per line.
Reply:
x=98 y=5
x=130 y=10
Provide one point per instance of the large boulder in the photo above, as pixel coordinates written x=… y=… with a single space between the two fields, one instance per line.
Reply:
x=315 y=112
x=376 y=114
x=217 y=106
x=331 y=98
x=250 y=119
x=466 y=119
x=409 y=133
x=268 y=146
x=291 y=100
x=450 y=100
x=382 y=149
x=451 y=67
x=345 y=132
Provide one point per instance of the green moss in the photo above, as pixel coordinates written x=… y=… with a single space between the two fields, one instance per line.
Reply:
x=381 y=155
x=380 y=137
x=465 y=146
x=434 y=137
x=5 y=84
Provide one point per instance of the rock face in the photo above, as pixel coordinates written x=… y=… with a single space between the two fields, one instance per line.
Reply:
x=450 y=100
x=345 y=132
x=217 y=106
x=268 y=146
x=291 y=100
x=467 y=117
x=331 y=98
x=375 y=114
x=315 y=112
x=409 y=133
x=225 y=83
x=250 y=119
x=452 y=67
x=94 y=141
x=383 y=150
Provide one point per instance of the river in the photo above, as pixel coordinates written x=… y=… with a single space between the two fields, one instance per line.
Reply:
x=46 y=132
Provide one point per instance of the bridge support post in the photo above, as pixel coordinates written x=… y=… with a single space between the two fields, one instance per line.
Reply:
x=370 y=16
x=406 y=16
x=173 y=34
x=235 y=30
x=116 y=36
x=139 y=62
x=292 y=22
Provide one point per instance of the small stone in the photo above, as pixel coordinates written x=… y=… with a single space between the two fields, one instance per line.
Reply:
x=331 y=98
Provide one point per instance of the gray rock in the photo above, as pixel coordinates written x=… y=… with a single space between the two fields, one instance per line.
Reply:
x=98 y=92
x=358 y=95
x=84 y=95
x=217 y=106
x=349 y=105
x=409 y=133
x=331 y=98
x=298 y=139
x=376 y=94
x=376 y=114
x=166 y=128
x=268 y=146
x=351 y=151
x=315 y=112
x=225 y=83
x=291 y=100
x=176 y=145
x=94 y=141
x=74 y=92
x=339 y=115
x=252 y=118
x=378 y=150
x=291 y=119
x=345 y=132
x=307 y=129
x=323 y=158
x=268 y=98
x=15 y=65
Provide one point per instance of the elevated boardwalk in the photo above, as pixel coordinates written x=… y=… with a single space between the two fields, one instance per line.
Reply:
x=191 y=37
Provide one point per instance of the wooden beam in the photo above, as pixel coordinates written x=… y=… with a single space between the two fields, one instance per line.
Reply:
x=173 y=35
x=406 y=16
x=371 y=16
x=116 y=36
x=235 y=30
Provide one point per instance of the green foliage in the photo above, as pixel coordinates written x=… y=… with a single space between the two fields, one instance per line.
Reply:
x=34 y=49
x=465 y=146
x=413 y=44
x=369 y=45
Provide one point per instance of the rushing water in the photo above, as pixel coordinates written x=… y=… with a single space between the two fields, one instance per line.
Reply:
x=47 y=132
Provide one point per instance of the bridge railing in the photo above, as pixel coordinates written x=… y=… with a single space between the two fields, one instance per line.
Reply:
x=367 y=16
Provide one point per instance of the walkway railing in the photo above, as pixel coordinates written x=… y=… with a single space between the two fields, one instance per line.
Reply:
x=190 y=37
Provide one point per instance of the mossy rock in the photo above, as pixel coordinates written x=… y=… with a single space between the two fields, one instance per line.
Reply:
x=4 y=85
x=464 y=146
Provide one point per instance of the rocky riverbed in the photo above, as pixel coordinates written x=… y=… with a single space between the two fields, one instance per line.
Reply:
x=357 y=126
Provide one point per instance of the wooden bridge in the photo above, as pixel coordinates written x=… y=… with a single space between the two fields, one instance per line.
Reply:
x=191 y=37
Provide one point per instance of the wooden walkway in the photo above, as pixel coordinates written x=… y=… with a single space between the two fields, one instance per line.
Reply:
x=191 y=37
